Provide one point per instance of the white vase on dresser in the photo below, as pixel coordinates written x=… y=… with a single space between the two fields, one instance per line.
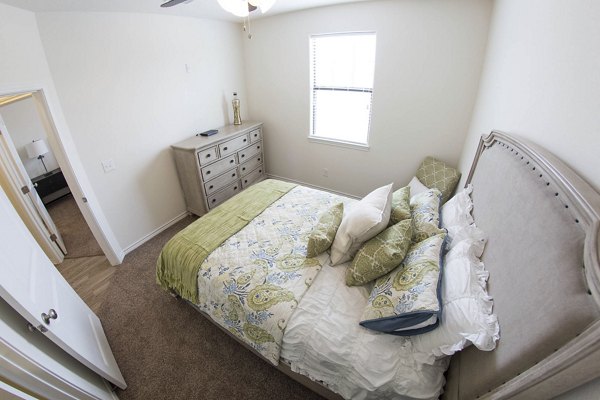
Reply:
x=214 y=168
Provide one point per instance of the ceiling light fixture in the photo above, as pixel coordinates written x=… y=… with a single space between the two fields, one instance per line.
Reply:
x=239 y=8
x=242 y=8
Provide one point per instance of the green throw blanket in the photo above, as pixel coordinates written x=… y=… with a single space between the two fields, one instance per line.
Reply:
x=180 y=260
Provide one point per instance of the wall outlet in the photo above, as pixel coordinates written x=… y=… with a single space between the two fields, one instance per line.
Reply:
x=108 y=165
x=325 y=172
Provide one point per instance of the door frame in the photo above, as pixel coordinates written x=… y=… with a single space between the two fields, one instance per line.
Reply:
x=21 y=190
x=62 y=145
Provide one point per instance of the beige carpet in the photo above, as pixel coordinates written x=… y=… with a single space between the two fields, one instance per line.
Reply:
x=76 y=234
x=167 y=350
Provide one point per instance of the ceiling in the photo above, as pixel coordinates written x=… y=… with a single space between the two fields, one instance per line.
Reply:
x=196 y=8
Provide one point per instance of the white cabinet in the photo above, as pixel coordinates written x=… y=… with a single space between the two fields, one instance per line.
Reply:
x=212 y=169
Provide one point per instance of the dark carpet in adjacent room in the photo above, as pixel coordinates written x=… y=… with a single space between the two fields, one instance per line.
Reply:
x=168 y=350
x=75 y=232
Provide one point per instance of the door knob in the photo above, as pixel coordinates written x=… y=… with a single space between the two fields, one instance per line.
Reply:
x=51 y=315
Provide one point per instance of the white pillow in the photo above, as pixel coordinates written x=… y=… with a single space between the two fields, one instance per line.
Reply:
x=457 y=210
x=363 y=221
x=467 y=308
x=416 y=186
x=456 y=218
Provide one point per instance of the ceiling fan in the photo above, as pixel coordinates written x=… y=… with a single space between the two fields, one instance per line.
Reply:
x=240 y=8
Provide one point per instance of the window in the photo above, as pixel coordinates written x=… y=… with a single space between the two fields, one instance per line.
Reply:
x=342 y=70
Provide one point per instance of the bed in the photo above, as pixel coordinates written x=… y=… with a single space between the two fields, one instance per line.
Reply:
x=542 y=224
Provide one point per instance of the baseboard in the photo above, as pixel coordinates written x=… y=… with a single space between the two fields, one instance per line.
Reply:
x=155 y=232
x=281 y=178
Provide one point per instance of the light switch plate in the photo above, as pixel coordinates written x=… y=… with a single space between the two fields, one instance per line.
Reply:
x=108 y=165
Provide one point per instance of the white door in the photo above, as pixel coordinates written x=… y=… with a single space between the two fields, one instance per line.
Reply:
x=34 y=288
x=21 y=183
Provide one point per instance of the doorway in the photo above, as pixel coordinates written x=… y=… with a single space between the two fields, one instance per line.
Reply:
x=50 y=211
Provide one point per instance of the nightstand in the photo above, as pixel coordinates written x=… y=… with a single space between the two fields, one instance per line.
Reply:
x=51 y=186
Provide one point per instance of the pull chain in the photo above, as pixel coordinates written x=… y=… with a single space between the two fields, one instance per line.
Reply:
x=247 y=26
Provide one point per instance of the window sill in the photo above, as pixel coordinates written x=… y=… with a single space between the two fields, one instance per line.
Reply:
x=339 y=143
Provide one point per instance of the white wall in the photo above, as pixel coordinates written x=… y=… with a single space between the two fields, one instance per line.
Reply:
x=23 y=66
x=541 y=80
x=428 y=63
x=23 y=60
x=24 y=126
x=127 y=96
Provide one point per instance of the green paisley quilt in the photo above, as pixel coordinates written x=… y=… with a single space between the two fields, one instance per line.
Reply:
x=252 y=283
x=179 y=261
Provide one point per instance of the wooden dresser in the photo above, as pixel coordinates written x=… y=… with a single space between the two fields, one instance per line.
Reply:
x=212 y=169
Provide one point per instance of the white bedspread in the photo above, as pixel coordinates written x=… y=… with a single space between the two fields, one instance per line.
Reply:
x=324 y=341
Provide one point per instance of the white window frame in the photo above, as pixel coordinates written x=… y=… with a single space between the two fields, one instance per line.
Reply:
x=326 y=140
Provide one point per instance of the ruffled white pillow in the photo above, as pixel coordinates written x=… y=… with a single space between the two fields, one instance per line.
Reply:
x=456 y=218
x=457 y=210
x=467 y=315
x=363 y=221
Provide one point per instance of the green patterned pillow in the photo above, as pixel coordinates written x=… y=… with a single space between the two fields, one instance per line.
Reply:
x=400 y=205
x=425 y=209
x=407 y=300
x=322 y=236
x=436 y=174
x=381 y=254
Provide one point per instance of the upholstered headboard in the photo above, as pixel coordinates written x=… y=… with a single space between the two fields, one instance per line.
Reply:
x=542 y=254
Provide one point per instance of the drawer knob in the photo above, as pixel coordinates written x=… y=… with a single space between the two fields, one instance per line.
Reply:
x=245 y=180
x=258 y=158
x=245 y=140
x=208 y=156
x=260 y=170
x=231 y=161
x=258 y=147
x=208 y=172
x=211 y=186
x=243 y=169
x=243 y=155
x=235 y=188
x=51 y=315
x=256 y=135
x=233 y=175
x=213 y=200
x=224 y=148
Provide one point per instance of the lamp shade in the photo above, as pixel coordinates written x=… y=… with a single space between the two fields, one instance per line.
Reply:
x=238 y=8
x=36 y=148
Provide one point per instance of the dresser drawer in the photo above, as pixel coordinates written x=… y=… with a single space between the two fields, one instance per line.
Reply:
x=233 y=145
x=213 y=170
x=219 y=197
x=252 y=177
x=207 y=155
x=221 y=181
x=250 y=152
x=255 y=136
x=250 y=165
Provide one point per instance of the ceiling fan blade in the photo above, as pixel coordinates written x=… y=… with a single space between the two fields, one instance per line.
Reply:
x=172 y=3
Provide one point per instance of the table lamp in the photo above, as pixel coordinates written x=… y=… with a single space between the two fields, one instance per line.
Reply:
x=37 y=149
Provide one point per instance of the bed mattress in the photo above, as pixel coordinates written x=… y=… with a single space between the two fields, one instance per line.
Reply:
x=324 y=341
x=321 y=338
